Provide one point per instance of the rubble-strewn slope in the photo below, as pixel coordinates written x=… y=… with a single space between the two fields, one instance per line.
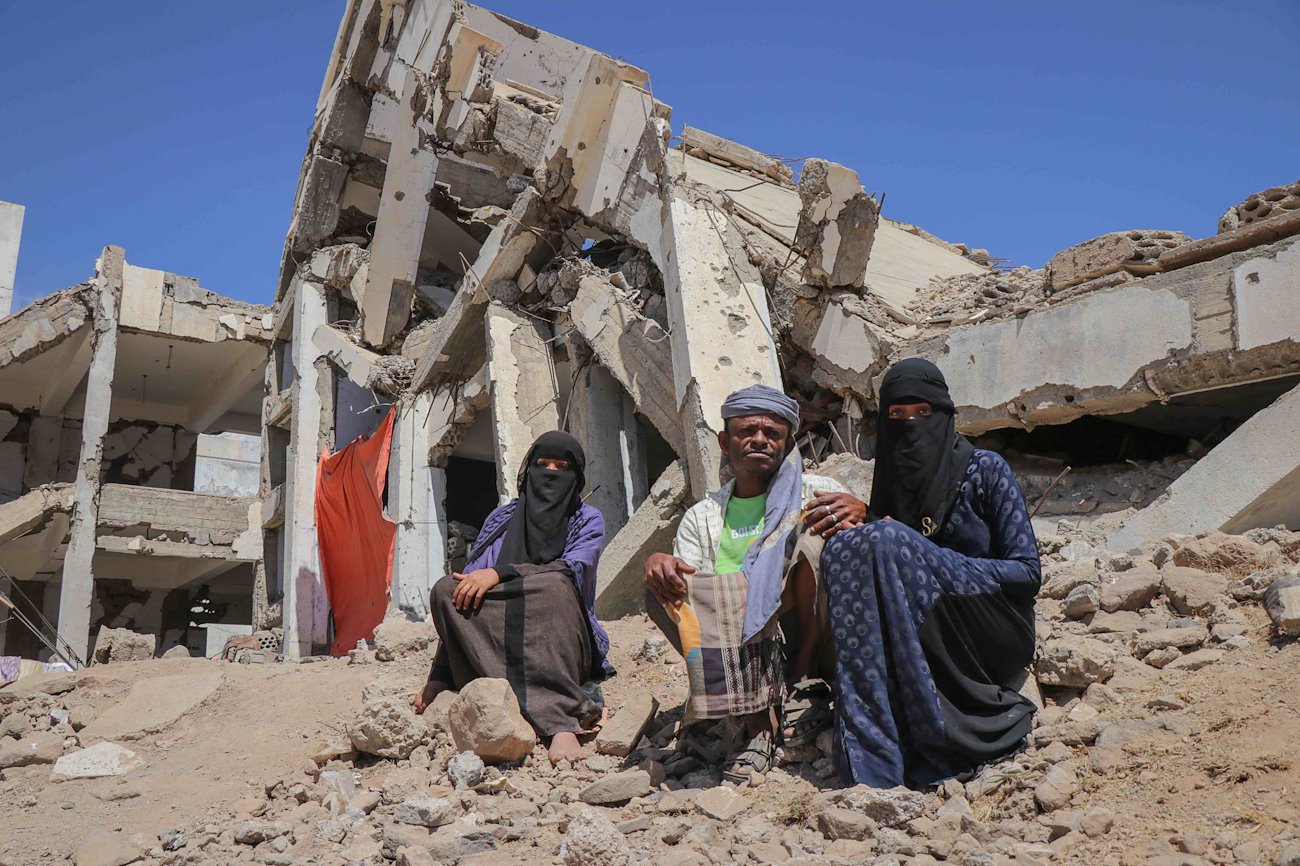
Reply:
x=1169 y=737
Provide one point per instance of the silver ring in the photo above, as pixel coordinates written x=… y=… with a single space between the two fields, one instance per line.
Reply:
x=837 y=518
x=826 y=509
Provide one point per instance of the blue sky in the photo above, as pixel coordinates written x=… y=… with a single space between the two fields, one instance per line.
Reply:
x=176 y=130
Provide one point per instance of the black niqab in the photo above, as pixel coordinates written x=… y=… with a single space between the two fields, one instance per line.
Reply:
x=920 y=463
x=537 y=530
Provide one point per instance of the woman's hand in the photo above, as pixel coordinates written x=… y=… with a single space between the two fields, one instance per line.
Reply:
x=828 y=513
x=471 y=588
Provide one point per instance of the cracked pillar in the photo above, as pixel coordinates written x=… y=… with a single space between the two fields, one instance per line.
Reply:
x=306 y=606
x=721 y=330
x=11 y=233
x=601 y=416
x=419 y=493
x=400 y=224
x=525 y=396
x=77 y=590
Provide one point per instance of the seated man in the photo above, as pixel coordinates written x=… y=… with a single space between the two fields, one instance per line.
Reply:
x=741 y=558
x=524 y=609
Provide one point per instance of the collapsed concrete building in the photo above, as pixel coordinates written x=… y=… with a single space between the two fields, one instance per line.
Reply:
x=129 y=414
x=499 y=232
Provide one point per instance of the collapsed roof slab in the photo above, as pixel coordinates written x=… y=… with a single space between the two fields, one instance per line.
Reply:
x=1251 y=479
x=1219 y=323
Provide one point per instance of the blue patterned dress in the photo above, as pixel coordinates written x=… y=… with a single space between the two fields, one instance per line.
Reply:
x=927 y=631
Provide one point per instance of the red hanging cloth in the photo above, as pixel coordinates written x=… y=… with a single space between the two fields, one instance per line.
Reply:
x=354 y=536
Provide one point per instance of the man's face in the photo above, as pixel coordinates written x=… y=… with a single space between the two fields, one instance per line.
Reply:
x=756 y=444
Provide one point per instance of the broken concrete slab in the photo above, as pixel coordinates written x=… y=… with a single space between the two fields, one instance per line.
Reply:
x=620 y=575
x=706 y=145
x=525 y=394
x=1274 y=202
x=837 y=225
x=101 y=759
x=1223 y=491
x=152 y=705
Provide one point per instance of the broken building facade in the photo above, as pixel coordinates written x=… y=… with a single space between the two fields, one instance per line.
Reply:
x=498 y=232
x=120 y=505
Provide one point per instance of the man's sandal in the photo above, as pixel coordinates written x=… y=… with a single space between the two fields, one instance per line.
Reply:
x=807 y=712
x=756 y=758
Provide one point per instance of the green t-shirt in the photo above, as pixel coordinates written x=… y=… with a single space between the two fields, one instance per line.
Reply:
x=742 y=525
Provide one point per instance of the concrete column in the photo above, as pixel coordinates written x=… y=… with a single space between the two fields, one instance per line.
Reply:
x=77 y=591
x=11 y=233
x=601 y=416
x=525 y=394
x=306 y=605
x=722 y=333
x=417 y=498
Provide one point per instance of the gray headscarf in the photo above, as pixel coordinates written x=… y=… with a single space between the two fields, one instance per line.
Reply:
x=764 y=563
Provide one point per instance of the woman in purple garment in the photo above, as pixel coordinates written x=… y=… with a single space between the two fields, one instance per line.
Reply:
x=524 y=608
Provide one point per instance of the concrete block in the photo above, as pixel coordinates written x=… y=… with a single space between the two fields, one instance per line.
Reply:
x=1135 y=251
x=837 y=225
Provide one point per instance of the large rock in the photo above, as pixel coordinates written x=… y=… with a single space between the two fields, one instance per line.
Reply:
x=386 y=727
x=101 y=759
x=620 y=734
x=485 y=720
x=398 y=636
x=1133 y=590
x=1075 y=662
x=593 y=840
x=123 y=645
x=40 y=747
x=152 y=705
x=1226 y=554
x=1282 y=601
x=888 y=807
x=1191 y=591
x=102 y=848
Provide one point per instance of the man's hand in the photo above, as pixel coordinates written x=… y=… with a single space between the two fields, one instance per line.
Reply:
x=663 y=577
x=828 y=513
x=471 y=588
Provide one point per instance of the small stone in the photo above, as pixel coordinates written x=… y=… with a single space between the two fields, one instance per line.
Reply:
x=172 y=840
x=330 y=830
x=425 y=812
x=1060 y=579
x=1073 y=661
x=617 y=789
x=593 y=840
x=1179 y=638
x=485 y=720
x=653 y=649
x=409 y=856
x=1159 y=658
x=1166 y=702
x=1191 y=591
x=465 y=770
x=257 y=832
x=399 y=636
x=889 y=807
x=1288 y=855
x=1097 y=822
x=102 y=848
x=1057 y=787
x=386 y=728
x=1132 y=591
x=177 y=652
x=620 y=735
x=1196 y=660
x=722 y=803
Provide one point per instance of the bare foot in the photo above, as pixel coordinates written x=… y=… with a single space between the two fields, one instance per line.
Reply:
x=565 y=747
x=431 y=690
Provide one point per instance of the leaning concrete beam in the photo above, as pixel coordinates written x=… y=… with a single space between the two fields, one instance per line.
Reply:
x=706 y=145
x=1242 y=238
x=77 y=588
x=353 y=360
x=20 y=516
x=1251 y=479
x=456 y=343
x=11 y=234
x=525 y=394
x=722 y=333
x=1208 y=325
x=400 y=224
x=620 y=576
x=634 y=349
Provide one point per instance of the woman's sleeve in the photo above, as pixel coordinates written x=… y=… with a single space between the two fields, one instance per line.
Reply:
x=1013 y=555
x=582 y=550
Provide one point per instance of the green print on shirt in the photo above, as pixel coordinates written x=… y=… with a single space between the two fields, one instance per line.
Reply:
x=741 y=527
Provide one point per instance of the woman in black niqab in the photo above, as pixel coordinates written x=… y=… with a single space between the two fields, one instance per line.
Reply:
x=548 y=498
x=931 y=602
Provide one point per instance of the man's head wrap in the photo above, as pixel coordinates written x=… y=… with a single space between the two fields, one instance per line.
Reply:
x=761 y=400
